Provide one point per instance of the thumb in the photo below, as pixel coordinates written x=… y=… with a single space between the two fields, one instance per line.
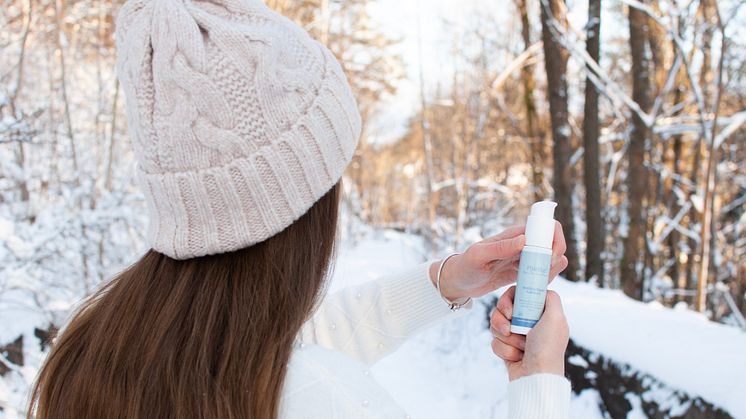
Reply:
x=553 y=311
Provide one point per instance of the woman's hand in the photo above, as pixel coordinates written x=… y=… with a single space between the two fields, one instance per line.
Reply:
x=542 y=350
x=492 y=263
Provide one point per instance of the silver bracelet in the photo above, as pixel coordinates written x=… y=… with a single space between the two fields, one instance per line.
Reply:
x=452 y=305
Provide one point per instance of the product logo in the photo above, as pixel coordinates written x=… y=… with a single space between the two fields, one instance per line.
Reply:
x=539 y=269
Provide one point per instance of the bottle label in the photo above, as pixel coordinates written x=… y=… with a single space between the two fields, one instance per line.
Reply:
x=531 y=288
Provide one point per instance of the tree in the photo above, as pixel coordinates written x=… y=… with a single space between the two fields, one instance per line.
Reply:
x=591 y=174
x=427 y=147
x=555 y=62
x=637 y=173
x=709 y=221
x=533 y=133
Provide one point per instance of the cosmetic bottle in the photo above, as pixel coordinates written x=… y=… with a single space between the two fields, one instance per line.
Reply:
x=533 y=268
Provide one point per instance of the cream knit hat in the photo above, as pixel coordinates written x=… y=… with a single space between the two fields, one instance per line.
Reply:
x=240 y=121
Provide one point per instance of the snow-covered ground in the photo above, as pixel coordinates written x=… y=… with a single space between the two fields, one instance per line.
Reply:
x=449 y=371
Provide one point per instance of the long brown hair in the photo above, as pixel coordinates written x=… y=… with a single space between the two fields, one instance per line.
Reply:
x=208 y=337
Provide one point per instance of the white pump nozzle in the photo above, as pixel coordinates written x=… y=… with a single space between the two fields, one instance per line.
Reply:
x=543 y=209
x=540 y=224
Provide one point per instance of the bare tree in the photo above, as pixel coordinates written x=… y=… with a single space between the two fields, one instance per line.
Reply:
x=555 y=61
x=637 y=173
x=591 y=174
x=708 y=220
x=427 y=146
x=533 y=132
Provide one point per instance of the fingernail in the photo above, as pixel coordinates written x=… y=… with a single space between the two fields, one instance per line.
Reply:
x=505 y=329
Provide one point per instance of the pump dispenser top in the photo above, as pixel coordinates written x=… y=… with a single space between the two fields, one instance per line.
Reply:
x=540 y=224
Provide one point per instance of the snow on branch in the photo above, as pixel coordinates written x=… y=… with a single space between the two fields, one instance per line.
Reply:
x=518 y=62
x=736 y=121
x=595 y=73
x=696 y=89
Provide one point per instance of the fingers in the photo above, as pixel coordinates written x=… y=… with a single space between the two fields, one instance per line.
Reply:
x=508 y=233
x=483 y=253
x=505 y=248
x=505 y=303
x=515 y=340
x=506 y=345
x=506 y=352
x=557 y=268
x=500 y=327
x=499 y=324
x=559 y=246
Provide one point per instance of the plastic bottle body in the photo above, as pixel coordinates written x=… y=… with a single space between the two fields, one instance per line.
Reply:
x=531 y=288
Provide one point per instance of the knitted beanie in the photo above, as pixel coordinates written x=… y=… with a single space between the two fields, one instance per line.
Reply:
x=239 y=120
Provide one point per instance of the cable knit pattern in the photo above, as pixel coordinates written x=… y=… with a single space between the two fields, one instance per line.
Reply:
x=240 y=121
x=328 y=375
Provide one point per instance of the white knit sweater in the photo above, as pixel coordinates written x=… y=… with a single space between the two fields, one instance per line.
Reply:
x=328 y=376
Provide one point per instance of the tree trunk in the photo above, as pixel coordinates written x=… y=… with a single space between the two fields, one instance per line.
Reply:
x=709 y=222
x=637 y=174
x=427 y=150
x=555 y=61
x=63 y=87
x=660 y=185
x=591 y=174
x=674 y=239
x=704 y=80
x=536 y=140
x=660 y=54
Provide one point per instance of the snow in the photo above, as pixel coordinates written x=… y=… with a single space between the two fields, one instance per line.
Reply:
x=7 y=228
x=585 y=405
x=677 y=346
x=450 y=371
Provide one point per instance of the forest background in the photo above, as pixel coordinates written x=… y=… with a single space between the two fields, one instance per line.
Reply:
x=631 y=114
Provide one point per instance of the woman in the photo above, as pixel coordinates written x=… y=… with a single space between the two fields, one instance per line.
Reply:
x=242 y=126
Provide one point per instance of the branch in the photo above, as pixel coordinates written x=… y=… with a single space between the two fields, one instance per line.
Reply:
x=681 y=125
x=603 y=83
x=736 y=122
x=530 y=52
x=681 y=53
x=21 y=56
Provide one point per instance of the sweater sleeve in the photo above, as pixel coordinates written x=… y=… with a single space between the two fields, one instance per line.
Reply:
x=371 y=320
x=539 y=396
